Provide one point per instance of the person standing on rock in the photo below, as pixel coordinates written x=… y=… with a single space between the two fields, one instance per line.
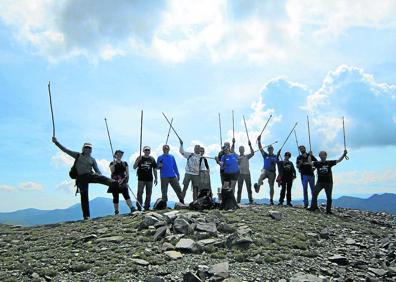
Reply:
x=192 y=170
x=87 y=172
x=169 y=174
x=307 y=173
x=229 y=163
x=146 y=168
x=120 y=173
x=269 y=169
x=287 y=174
x=244 y=173
x=204 y=172
x=325 y=179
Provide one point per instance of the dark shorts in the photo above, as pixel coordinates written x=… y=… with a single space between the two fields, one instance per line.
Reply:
x=231 y=176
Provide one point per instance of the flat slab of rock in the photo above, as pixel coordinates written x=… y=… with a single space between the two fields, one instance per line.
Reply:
x=302 y=277
x=181 y=225
x=186 y=245
x=115 y=239
x=378 y=271
x=160 y=233
x=140 y=262
x=167 y=247
x=350 y=241
x=148 y=221
x=338 y=259
x=275 y=215
x=207 y=227
x=220 y=269
x=173 y=254
x=207 y=241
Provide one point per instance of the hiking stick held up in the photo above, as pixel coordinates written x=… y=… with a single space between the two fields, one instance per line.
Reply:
x=309 y=135
x=266 y=146
x=108 y=134
x=295 y=137
x=343 y=130
x=233 y=130
x=247 y=134
x=265 y=125
x=287 y=138
x=172 y=127
x=52 y=111
x=167 y=137
x=141 y=132
x=221 y=138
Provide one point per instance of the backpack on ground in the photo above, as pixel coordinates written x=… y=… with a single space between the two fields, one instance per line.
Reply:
x=204 y=201
x=159 y=204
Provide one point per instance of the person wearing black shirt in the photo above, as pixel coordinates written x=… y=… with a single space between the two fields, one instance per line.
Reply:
x=146 y=168
x=287 y=174
x=120 y=173
x=307 y=173
x=325 y=179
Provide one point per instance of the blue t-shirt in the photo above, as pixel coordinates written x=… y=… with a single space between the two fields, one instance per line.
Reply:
x=230 y=163
x=169 y=167
x=269 y=161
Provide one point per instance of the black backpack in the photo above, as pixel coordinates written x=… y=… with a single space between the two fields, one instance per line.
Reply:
x=73 y=169
x=159 y=204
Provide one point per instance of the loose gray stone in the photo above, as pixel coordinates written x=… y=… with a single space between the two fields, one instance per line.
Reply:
x=350 y=241
x=378 y=271
x=275 y=215
x=89 y=238
x=156 y=279
x=220 y=269
x=160 y=233
x=140 y=262
x=167 y=247
x=226 y=228
x=187 y=245
x=173 y=254
x=159 y=224
x=115 y=239
x=302 y=277
x=238 y=240
x=148 y=221
x=338 y=259
x=324 y=234
x=181 y=226
x=207 y=227
x=207 y=241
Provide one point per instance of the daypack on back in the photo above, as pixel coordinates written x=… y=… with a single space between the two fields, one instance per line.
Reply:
x=73 y=169
x=159 y=204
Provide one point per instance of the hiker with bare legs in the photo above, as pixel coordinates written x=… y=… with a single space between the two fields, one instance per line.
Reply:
x=287 y=174
x=307 y=173
x=169 y=174
x=269 y=170
x=87 y=171
x=146 y=168
x=229 y=162
x=192 y=170
x=244 y=173
x=120 y=173
x=325 y=179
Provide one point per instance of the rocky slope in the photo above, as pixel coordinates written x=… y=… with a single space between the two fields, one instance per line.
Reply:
x=254 y=243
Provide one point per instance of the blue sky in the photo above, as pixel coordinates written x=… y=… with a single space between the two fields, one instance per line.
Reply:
x=193 y=60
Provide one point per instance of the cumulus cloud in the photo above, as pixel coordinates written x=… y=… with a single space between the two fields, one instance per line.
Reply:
x=62 y=159
x=66 y=186
x=385 y=178
x=176 y=30
x=6 y=188
x=30 y=186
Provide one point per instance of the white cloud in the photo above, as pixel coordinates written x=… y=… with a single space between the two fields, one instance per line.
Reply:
x=30 y=186
x=175 y=30
x=366 y=178
x=6 y=188
x=62 y=159
x=66 y=186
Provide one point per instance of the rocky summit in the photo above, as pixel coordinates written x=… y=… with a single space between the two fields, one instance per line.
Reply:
x=253 y=243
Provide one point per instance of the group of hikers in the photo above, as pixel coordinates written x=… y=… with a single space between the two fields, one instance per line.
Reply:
x=234 y=168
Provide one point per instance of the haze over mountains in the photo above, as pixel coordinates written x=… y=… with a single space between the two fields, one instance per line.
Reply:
x=103 y=206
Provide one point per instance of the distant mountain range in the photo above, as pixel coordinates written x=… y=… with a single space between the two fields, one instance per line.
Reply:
x=103 y=206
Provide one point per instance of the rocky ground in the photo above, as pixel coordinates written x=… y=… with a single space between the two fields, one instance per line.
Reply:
x=254 y=243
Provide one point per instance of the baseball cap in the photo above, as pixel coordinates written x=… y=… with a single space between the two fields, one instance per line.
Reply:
x=87 y=145
x=146 y=148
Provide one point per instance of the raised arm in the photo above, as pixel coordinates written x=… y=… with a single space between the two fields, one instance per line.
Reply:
x=251 y=150
x=71 y=153
x=259 y=143
x=343 y=156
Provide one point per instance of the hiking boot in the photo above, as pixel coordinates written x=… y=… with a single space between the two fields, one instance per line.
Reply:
x=87 y=218
x=256 y=187
x=133 y=209
x=306 y=207
x=329 y=212
x=289 y=204
x=116 y=212
x=271 y=203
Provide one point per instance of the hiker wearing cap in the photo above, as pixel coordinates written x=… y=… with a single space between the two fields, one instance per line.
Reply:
x=269 y=170
x=146 y=168
x=169 y=174
x=87 y=172
x=192 y=170
x=244 y=173
x=120 y=173
x=229 y=163
x=221 y=154
x=325 y=179
x=287 y=174
x=307 y=173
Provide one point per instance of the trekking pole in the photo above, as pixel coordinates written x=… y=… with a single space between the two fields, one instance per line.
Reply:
x=309 y=135
x=287 y=138
x=108 y=134
x=221 y=138
x=141 y=132
x=247 y=134
x=343 y=130
x=52 y=111
x=172 y=127
x=233 y=131
x=295 y=137
x=167 y=137
x=265 y=125
x=267 y=146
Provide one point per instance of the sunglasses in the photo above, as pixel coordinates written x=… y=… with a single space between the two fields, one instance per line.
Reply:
x=87 y=148
x=147 y=150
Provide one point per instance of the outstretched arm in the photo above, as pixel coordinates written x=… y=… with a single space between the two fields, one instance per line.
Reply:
x=251 y=150
x=64 y=149
x=343 y=156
